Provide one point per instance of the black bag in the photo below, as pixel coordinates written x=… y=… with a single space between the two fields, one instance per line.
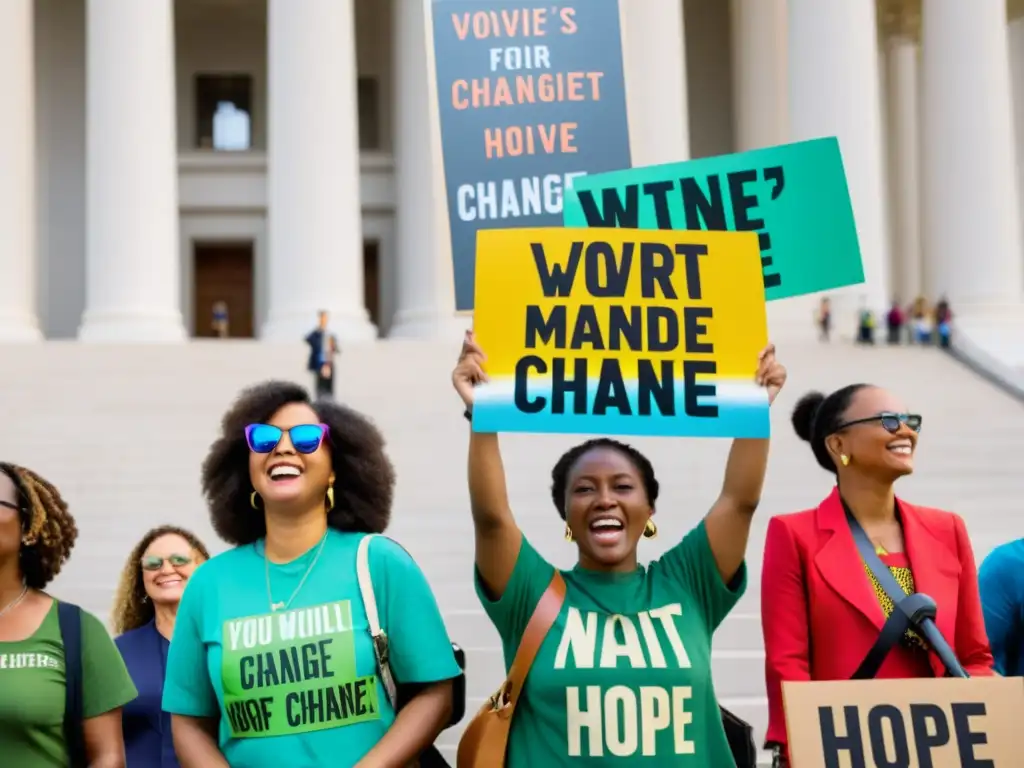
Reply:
x=740 y=736
x=69 y=617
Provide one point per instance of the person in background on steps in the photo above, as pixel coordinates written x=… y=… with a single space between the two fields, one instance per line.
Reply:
x=606 y=494
x=824 y=319
x=943 y=322
x=1001 y=578
x=894 y=323
x=921 y=321
x=822 y=607
x=221 y=325
x=323 y=349
x=865 y=324
x=37 y=534
x=295 y=487
x=145 y=606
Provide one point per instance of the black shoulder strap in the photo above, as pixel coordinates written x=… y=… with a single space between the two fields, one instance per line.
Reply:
x=898 y=622
x=867 y=552
x=894 y=628
x=69 y=617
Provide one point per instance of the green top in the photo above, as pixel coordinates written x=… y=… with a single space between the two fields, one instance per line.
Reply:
x=298 y=687
x=32 y=690
x=624 y=676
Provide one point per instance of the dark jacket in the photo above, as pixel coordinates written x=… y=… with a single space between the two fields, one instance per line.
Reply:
x=147 y=728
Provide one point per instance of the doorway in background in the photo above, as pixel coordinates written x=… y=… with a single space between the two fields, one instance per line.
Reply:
x=223 y=272
x=371 y=280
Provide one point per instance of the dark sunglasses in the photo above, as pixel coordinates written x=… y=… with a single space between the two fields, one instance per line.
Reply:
x=305 y=438
x=155 y=562
x=890 y=421
x=9 y=505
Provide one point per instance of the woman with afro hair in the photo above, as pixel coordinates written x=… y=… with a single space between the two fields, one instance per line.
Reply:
x=623 y=677
x=36 y=537
x=822 y=607
x=145 y=608
x=272 y=662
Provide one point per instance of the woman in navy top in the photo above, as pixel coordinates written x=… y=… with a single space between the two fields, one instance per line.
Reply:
x=148 y=594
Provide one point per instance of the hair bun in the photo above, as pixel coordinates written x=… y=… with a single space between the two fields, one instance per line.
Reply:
x=804 y=412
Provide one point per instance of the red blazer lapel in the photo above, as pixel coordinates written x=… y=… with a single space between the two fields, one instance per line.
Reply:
x=839 y=562
x=935 y=569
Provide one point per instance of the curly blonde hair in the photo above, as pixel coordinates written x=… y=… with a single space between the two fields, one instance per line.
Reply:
x=131 y=608
x=48 y=531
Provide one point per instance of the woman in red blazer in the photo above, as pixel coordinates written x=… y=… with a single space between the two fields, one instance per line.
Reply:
x=821 y=608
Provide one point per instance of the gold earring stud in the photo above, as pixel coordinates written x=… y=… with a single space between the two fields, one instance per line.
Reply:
x=650 y=529
x=845 y=460
x=568 y=532
x=330 y=497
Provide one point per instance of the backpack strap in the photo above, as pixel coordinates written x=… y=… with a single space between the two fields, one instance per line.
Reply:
x=69 y=617
x=377 y=634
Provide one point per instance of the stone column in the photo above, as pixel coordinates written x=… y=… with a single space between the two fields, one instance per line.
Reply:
x=314 y=216
x=902 y=27
x=761 y=117
x=759 y=74
x=18 y=246
x=1015 y=31
x=426 y=287
x=834 y=91
x=654 y=59
x=972 y=230
x=133 y=283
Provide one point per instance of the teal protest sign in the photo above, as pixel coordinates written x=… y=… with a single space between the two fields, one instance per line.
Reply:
x=794 y=196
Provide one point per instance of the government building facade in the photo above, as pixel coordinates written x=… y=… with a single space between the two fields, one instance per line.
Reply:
x=283 y=156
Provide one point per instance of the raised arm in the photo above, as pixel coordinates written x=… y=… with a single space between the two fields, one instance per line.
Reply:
x=728 y=522
x=498 y=538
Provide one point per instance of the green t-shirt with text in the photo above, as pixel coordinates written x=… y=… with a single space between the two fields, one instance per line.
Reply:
x=32 y=690
x=298 y=688
x=623 y=677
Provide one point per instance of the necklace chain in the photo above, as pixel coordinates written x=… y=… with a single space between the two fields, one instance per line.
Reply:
x=14 y=603
x=270 y=594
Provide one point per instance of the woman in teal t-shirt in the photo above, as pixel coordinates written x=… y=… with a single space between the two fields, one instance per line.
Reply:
x=624 y=675
x=271 y=664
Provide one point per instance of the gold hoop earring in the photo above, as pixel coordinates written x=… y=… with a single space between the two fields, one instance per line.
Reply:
x=650 y=529
x=330 y=497
x=253 y=498
x=845 y=460
x=568 y=532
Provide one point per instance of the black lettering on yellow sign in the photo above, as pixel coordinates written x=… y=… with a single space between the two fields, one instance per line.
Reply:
x=619 y=326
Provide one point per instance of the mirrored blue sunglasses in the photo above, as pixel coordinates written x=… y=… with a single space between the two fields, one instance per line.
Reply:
x=305 y=438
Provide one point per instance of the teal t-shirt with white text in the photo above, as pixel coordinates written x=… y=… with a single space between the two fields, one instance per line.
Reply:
x=299 y=687
x=623 y=677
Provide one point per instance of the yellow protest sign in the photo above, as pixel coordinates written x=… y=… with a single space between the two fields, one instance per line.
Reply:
x=615 y=331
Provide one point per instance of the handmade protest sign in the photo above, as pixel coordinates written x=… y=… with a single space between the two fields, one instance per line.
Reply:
x=794 y=196
x=620 y=332
x=531 y=95
x=294 y=672
x=910 y=723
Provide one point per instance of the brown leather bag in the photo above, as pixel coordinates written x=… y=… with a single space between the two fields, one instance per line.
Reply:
x=485 y=739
